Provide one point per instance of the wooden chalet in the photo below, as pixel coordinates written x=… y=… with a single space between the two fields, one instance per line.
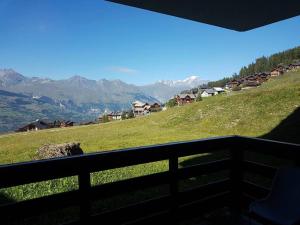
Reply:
x=233 y=83
x=251 y=81
x=279 y=70
x=140 y=108
x=276 y=72
x=208 y=92
x=34 y=126
x=219 y=90
x=114 y=116
x=262 y=77
x=183 y=99
x=294 y=66
x=67 y=123
x=155 y=107
x=88 y=122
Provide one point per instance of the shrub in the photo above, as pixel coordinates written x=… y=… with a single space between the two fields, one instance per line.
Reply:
x=171 y=103
x=130 y=114
x=105 y=118
x=199 y=98
x=124 y=116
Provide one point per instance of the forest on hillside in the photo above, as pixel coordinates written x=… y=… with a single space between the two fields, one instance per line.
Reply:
x=262 y=64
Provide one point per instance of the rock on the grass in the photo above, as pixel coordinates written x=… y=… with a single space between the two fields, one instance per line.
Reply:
x=59 y=150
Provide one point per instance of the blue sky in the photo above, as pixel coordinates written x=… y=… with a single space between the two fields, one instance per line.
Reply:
x=98 y=39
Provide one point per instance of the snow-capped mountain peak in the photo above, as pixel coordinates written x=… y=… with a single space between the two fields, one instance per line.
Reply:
x=189 y=82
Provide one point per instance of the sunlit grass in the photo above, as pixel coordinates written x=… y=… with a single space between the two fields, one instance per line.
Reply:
x=252 y=112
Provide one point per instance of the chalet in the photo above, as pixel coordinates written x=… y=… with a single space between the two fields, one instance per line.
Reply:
x=262 y=77
x=140 y=108
x=182 y=99
x=279 y=70
x=294 y=66
x=251 y=81
x=67 y=123
x=88 y=122
x=155 y=107
x=114 y=116
x=109 y=117
x=209 y=92
x=233 y=83
x=36 y=125
x=219 y=90
x=276 y=72
x=254 y=80
x=283 y=68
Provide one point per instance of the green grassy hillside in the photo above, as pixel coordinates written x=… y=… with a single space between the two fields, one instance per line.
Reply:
x=254 y=112
x=271 y=110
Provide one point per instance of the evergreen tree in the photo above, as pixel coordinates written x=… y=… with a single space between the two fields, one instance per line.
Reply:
x=123 y=115
x=105 y=118
x=171 y=103
x=130 y=114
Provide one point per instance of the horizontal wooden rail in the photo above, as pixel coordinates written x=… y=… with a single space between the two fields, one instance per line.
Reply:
x=201 y=192
x=204 y=168
x=132 y=184
x=215 y=191
x=177 y=203
x=24 y=173
x=210 y=203
x=261 y=169
x=133 y=211
x=40 y=205
x=255 y=190
x=270 y=147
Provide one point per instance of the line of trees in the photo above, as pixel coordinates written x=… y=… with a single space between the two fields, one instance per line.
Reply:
x=262 y=64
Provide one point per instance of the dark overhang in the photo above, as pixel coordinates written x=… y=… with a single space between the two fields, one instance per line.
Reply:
x=240 y=15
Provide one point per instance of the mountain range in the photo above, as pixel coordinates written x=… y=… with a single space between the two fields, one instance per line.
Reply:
x=78 y=96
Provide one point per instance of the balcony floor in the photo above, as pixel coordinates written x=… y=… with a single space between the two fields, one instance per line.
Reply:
x=220 y=217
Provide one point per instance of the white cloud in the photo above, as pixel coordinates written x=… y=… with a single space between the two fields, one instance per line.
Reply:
x=125 y=70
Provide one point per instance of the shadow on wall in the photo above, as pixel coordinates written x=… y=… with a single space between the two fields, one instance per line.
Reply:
x=288 y=130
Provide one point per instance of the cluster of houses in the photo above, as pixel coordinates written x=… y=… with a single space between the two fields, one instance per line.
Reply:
x=281 y=69
x=258 y=78
x=248 y=81
x=186 y=98
x=143 y=108
x=43 y=124
x=138 y=109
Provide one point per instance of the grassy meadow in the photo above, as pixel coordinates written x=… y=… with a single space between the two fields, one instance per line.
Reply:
x=254 y=112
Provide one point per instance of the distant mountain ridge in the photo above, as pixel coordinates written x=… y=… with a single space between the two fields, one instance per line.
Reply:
x=83 y=97
x=80 y=90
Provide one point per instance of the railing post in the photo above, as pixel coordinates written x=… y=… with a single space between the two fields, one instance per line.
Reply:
x=173 y=170
x=236 y=176
x=84 y=181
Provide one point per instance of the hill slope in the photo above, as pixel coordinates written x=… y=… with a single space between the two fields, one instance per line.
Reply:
x=18 y=110
x=254 y=112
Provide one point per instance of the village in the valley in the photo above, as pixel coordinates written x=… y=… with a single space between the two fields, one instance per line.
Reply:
x=140 y=108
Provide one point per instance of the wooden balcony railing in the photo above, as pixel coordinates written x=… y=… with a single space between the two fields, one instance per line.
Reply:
x=234 y=191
